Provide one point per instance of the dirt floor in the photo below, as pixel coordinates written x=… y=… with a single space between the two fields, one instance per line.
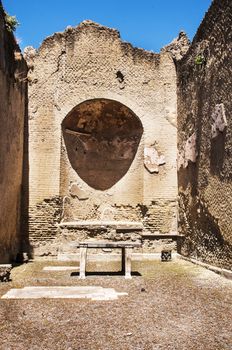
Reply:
x=171 y=305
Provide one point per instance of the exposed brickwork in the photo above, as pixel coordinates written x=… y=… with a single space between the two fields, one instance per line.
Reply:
x=158 y=214
x=43 y=219
x=91 y=62
x=204 y=108
x=13 y=91
x=103 y=132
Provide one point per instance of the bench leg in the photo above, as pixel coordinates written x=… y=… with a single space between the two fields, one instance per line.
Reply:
x=83 y=256
x=123 y=260
x=128 y=254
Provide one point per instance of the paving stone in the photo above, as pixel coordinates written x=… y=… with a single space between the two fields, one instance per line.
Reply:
x=56 y=292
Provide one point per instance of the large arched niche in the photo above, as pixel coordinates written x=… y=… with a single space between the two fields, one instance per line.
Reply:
x=101 y=137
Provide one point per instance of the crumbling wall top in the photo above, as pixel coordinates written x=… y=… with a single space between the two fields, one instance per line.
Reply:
x=178 y=47
x=11 y=60
x=89 y=27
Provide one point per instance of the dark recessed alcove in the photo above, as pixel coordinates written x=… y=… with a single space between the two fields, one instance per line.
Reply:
x=101 y=137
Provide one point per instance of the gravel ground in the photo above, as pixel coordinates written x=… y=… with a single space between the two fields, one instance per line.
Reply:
x=174 y=305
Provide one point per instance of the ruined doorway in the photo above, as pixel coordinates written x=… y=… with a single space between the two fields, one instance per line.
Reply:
x=101 y=138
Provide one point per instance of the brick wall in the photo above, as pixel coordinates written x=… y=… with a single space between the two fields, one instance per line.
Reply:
x=12 y=113
x=205 y=139
x=91 y=62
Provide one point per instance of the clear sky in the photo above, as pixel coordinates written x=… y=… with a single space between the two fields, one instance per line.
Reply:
x=149 y=24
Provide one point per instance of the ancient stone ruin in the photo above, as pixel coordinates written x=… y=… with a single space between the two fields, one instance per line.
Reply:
x=104 y=114
x=93 y=131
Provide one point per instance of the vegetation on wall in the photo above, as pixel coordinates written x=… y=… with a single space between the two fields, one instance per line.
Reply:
x=199 y=59
x=11 y=22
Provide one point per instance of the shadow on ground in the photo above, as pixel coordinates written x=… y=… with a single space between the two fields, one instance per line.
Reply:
x=106 y=273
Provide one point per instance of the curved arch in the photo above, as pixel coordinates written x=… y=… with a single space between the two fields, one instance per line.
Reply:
x=101 y=137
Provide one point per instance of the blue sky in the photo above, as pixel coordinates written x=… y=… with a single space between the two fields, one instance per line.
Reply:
x=149 y=24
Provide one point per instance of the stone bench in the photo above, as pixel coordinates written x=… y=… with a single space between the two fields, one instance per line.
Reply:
x=174 y=236
x=125 y=246
x=165 y=253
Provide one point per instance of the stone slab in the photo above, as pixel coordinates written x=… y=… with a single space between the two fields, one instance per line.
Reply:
x=98 y=224
x=107 y=244
x=64 y=292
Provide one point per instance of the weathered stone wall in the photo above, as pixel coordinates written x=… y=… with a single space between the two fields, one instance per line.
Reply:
x=13 y=91
x=205 y=139
x=99 y=109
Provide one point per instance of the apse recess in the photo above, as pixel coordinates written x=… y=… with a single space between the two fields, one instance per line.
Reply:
x=101 y=138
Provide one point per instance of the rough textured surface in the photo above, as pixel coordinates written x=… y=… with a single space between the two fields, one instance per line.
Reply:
x=101 y=138
x=152 y=159
x=13 y=91
x=5 y=272
x=112 y=101
x=172 y=305
x=178 y=47
x=204 y=110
